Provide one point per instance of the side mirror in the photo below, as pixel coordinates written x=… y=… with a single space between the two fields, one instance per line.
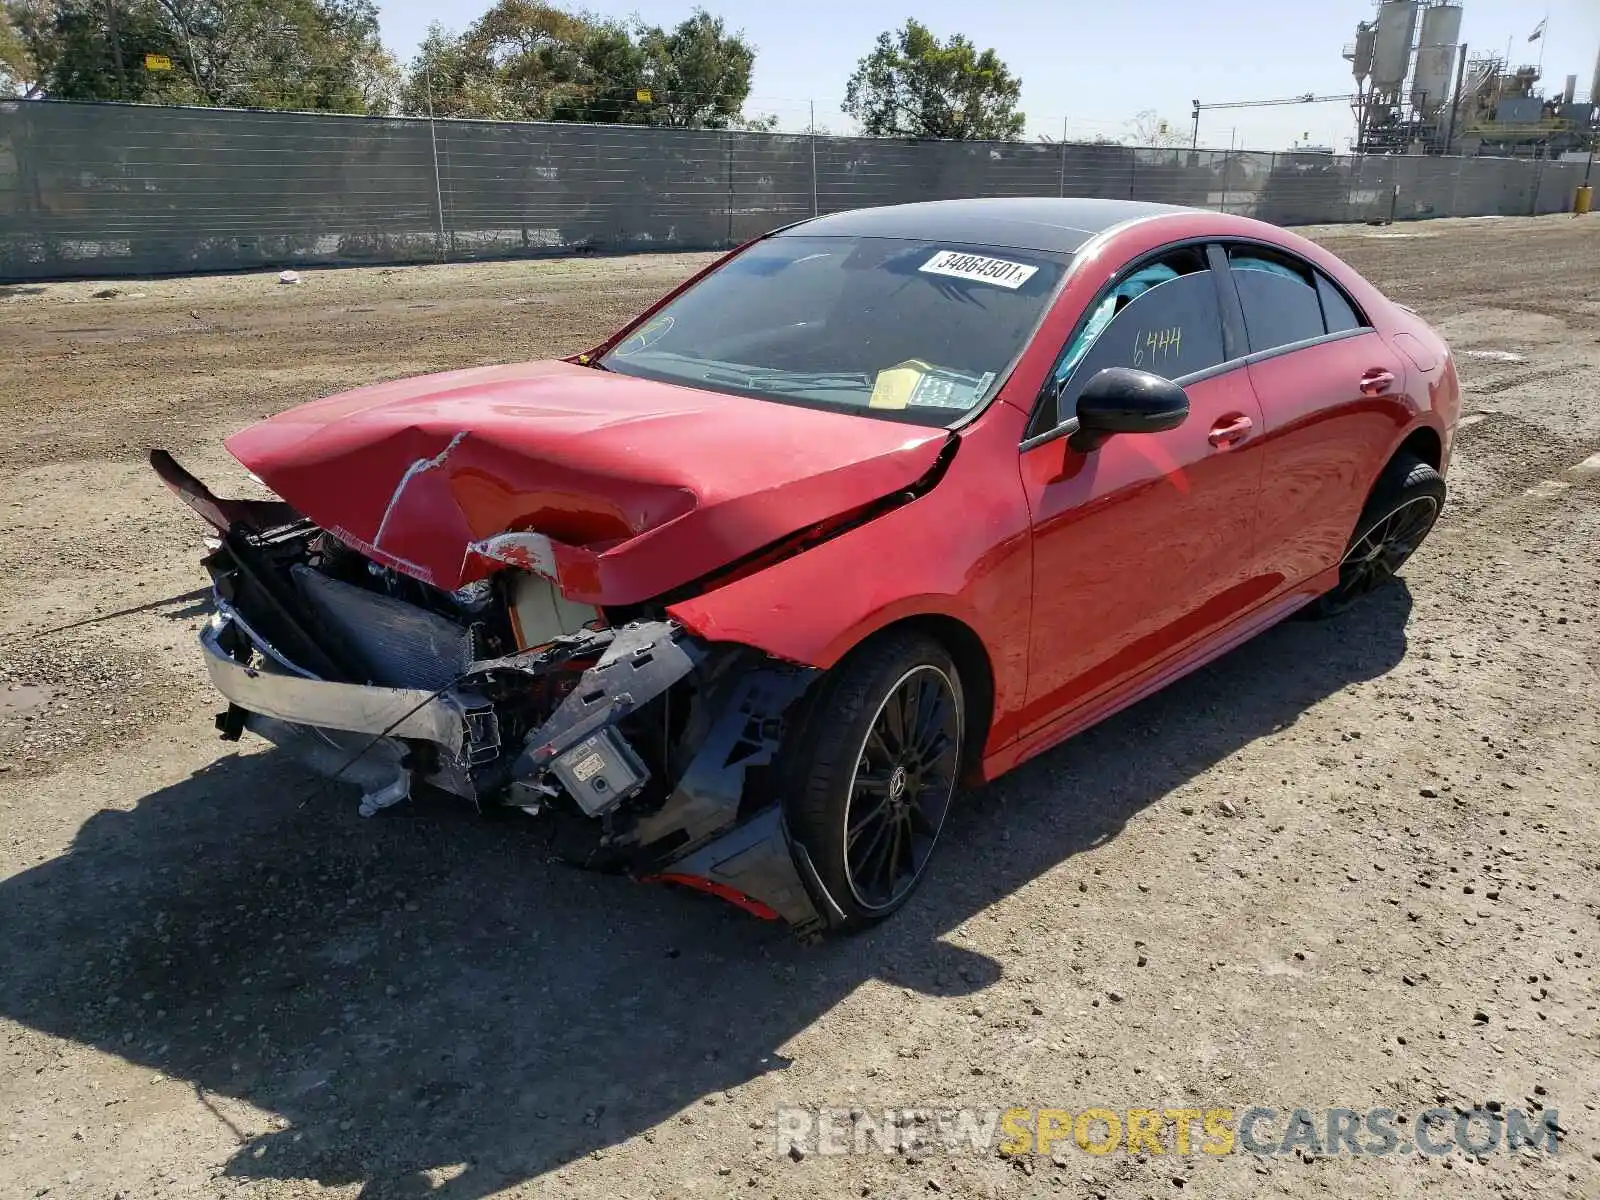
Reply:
x=1122 y=400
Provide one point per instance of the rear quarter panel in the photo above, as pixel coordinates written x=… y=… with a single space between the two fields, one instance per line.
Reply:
x=1433 y=383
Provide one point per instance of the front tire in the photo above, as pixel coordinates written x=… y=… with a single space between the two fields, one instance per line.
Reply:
x=1399 y=514
x=874 y=766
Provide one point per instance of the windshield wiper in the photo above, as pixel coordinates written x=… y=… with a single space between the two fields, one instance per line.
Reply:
x=773 y=376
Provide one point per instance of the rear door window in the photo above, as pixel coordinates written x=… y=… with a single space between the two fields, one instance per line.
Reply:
x=1337 y=312
x=1279 y=296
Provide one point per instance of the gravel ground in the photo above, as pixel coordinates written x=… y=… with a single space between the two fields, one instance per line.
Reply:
x=1354 y=863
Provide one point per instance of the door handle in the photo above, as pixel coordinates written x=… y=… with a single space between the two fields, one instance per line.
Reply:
x=1376 y=382
x=1230 y=430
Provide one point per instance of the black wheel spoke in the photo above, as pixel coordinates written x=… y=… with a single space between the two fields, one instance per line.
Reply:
x=875 y=844
x=937 y=746
x=932 y=726
x=919 y=823
x=884 y=856
x=903 y=863
x=911 y=716
x=874 y=784
x=869 y=816
x=893 y=732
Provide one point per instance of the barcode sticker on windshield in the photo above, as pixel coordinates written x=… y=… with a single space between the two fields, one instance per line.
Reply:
x=979 y=269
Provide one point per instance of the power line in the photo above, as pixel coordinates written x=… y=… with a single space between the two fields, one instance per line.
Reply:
x=1308 y=98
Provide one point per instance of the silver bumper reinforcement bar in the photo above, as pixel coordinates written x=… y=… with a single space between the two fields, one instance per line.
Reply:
x=350 y=707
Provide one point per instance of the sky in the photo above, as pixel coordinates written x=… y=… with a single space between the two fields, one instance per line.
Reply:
x=1088 y=67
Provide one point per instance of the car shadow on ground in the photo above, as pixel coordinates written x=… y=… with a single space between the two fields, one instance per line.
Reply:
x=422 y=991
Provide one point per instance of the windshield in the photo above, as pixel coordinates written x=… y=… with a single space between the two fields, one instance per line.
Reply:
x=906 y=330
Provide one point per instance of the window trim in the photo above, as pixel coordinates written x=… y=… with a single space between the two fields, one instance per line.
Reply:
x=1306 y=344
x=1242 y=240
x=1361 y=314
x=1233 y=342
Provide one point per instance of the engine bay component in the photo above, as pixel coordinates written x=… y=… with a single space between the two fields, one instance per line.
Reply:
x=640 y=662
x=540 y=614
x=600 y=772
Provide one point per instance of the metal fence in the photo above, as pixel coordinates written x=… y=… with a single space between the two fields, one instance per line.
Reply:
x=93 y=190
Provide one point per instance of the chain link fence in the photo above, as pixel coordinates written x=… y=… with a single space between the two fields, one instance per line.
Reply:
x=95 y=190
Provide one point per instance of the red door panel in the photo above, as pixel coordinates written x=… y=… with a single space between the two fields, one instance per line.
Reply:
x=1142 y=546
x=1331 y=417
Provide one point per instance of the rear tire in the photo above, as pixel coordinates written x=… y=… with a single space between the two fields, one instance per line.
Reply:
x=1399 y=514
x=872 y=769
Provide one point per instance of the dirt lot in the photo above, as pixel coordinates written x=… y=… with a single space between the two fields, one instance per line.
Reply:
x=1355 y=863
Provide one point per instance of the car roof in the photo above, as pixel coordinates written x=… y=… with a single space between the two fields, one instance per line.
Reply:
x=1018 y=223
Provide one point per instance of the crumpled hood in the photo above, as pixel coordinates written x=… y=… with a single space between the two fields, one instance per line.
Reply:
x=618 y=488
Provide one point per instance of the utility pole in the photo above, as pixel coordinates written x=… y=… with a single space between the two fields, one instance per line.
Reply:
x=813 y=158
x=1062 y=189
x=116 y=48
x=1194 y=143
x=433 y=141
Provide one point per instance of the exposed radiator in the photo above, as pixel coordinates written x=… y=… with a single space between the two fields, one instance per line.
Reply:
x=400 y=644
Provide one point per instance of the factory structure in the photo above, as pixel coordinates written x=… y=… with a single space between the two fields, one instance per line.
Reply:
x=1419 y=92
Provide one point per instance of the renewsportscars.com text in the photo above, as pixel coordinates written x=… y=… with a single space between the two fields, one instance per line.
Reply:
x=1263 y=1131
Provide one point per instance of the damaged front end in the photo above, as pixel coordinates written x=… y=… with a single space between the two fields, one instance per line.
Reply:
x=640 y=747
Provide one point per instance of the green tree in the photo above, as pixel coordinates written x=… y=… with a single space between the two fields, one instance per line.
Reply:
x=305 y=54
x=529 y=61
x=611 y=72
x=16 y=64
x=523 y=61
x=74 y=54
x=914 y=85
x=701 y=70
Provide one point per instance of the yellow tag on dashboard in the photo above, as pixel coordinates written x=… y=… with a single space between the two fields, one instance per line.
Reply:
x=893 y=387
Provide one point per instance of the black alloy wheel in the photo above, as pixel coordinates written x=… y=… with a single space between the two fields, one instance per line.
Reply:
x=901 y=788
x=869 y=767
x=1378 y=554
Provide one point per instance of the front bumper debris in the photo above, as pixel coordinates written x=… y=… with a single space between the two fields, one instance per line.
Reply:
x=699 y=836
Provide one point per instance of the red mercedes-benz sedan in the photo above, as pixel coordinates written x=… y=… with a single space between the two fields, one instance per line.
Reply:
x=881 y=502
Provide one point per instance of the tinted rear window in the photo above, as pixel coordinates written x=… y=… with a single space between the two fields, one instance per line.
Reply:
x=1336 y=311
x=1280 y=301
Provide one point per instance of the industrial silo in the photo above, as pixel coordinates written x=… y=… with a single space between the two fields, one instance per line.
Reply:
x=1391 y=53
x=1436 y=57
x=1361 y=52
